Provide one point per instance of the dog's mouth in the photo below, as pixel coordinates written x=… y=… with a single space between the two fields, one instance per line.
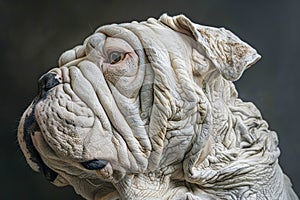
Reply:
x=30 y=128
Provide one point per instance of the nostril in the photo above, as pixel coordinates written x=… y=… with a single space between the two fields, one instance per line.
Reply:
x=47 y=82
x=94 y=164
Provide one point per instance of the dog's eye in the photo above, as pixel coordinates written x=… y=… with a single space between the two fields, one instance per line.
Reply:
x=115 y=57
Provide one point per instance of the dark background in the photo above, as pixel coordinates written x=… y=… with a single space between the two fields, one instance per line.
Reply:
x=34 y=33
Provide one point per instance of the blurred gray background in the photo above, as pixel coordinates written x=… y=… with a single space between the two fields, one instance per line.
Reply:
x=34 y=33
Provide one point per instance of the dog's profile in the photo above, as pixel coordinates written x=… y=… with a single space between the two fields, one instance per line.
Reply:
x=148 y=111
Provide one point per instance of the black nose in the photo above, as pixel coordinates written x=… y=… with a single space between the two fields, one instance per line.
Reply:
x=48 y=81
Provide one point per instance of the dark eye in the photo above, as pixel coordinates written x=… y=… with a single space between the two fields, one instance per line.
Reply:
x=115 y=57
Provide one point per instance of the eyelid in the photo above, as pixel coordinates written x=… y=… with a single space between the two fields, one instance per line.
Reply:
x=114 y=49
x=116 y=44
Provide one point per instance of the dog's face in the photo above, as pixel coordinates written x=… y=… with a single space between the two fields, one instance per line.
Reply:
x=129 y=100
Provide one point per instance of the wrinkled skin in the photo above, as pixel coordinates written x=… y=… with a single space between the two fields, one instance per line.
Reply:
x=149 y=111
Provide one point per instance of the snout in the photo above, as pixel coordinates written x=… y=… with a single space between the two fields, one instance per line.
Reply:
x=68 y=114
x=59 y=116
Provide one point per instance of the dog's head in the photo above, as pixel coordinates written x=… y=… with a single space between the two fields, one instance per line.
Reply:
x=134 y=98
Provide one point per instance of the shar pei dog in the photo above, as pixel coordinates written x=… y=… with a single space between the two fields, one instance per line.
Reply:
x=148 y=110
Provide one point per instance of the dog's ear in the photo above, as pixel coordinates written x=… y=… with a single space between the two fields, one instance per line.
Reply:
x=227 y=52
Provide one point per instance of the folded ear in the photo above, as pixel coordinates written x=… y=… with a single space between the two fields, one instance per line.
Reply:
x=227 y=52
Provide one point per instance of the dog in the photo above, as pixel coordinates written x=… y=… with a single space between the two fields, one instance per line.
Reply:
x=148 y=110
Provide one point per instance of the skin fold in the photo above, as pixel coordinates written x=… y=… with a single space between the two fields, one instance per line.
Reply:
x=148 y=110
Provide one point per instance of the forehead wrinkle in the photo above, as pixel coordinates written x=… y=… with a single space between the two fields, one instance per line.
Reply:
x=122 y=32
x=112 y=43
